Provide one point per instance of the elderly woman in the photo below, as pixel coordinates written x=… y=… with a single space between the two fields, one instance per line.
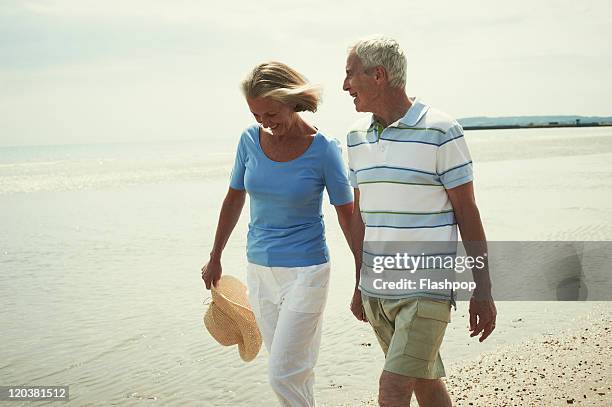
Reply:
x=284 y=163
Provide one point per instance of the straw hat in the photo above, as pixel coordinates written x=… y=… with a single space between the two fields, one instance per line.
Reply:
x=230 y=320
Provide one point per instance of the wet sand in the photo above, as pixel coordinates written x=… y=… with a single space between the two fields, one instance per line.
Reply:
x=570 y=368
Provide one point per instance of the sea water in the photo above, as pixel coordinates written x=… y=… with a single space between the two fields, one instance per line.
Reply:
x=100 y=254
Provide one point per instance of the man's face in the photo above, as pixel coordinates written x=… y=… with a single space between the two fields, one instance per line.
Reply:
x=360 y=85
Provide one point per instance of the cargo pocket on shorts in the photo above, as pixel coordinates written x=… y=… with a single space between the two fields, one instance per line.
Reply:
x=307 y=299
x=426 y=331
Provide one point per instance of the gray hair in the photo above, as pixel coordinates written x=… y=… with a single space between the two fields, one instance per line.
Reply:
x=385 y=52
x=282 y=83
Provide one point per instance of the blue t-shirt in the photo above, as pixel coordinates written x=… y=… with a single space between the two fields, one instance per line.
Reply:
x=286 y=228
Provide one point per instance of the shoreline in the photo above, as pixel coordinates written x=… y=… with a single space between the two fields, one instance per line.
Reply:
x=570 y=367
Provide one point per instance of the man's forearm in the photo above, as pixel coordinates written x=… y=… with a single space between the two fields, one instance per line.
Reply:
x=475 y=243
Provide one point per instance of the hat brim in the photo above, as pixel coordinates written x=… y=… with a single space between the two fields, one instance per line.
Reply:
x=230 y=297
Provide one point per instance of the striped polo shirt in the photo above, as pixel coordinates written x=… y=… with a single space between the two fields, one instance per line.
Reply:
x=403 y=171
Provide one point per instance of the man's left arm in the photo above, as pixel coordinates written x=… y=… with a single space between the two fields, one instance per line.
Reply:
x=482 y=307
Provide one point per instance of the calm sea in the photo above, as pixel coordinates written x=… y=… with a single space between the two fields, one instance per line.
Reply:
x=100 y=254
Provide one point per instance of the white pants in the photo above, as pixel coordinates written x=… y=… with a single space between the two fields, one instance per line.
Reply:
x=288 y=304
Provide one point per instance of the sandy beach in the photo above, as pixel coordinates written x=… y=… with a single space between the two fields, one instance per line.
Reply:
x=571 y=367
x=121 y=235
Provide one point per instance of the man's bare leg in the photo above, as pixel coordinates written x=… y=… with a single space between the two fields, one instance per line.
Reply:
x=431 y=393
x=395 y=390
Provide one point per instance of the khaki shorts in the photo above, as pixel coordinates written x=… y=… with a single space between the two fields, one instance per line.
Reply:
x=410 y=332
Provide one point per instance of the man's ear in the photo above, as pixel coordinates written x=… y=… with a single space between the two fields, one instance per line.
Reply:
x=380 y=74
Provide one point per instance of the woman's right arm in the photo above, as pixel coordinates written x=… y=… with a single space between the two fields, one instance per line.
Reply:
x=230 y=213
x=357 y=235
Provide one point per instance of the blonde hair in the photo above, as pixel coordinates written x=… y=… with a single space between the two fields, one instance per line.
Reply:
x=283 y=84
x=382 y=51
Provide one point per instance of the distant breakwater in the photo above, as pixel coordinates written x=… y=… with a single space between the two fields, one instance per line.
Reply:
x=535 y=126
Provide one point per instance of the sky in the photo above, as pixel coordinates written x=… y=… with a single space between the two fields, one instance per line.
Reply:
x=81 y=71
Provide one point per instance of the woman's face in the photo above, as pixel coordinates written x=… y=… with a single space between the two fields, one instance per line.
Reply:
x=273 y=115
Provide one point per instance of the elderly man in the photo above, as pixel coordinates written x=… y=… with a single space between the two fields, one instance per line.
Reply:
x=412 y=176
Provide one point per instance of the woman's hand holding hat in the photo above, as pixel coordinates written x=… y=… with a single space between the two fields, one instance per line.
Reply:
x=229 y=318
x=211 y=273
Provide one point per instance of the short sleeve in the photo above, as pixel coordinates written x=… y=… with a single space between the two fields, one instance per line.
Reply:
x=334 y=173
x=351 y=169
x=454 y=163
x=237 y=176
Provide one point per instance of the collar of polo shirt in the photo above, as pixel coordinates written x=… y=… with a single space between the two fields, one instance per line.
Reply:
x=411 y=118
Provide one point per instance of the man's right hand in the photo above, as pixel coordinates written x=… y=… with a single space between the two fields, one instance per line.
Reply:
x=357 y=306
x=211 y=273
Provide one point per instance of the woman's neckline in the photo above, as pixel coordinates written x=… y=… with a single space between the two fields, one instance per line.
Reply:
x=258 y=138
